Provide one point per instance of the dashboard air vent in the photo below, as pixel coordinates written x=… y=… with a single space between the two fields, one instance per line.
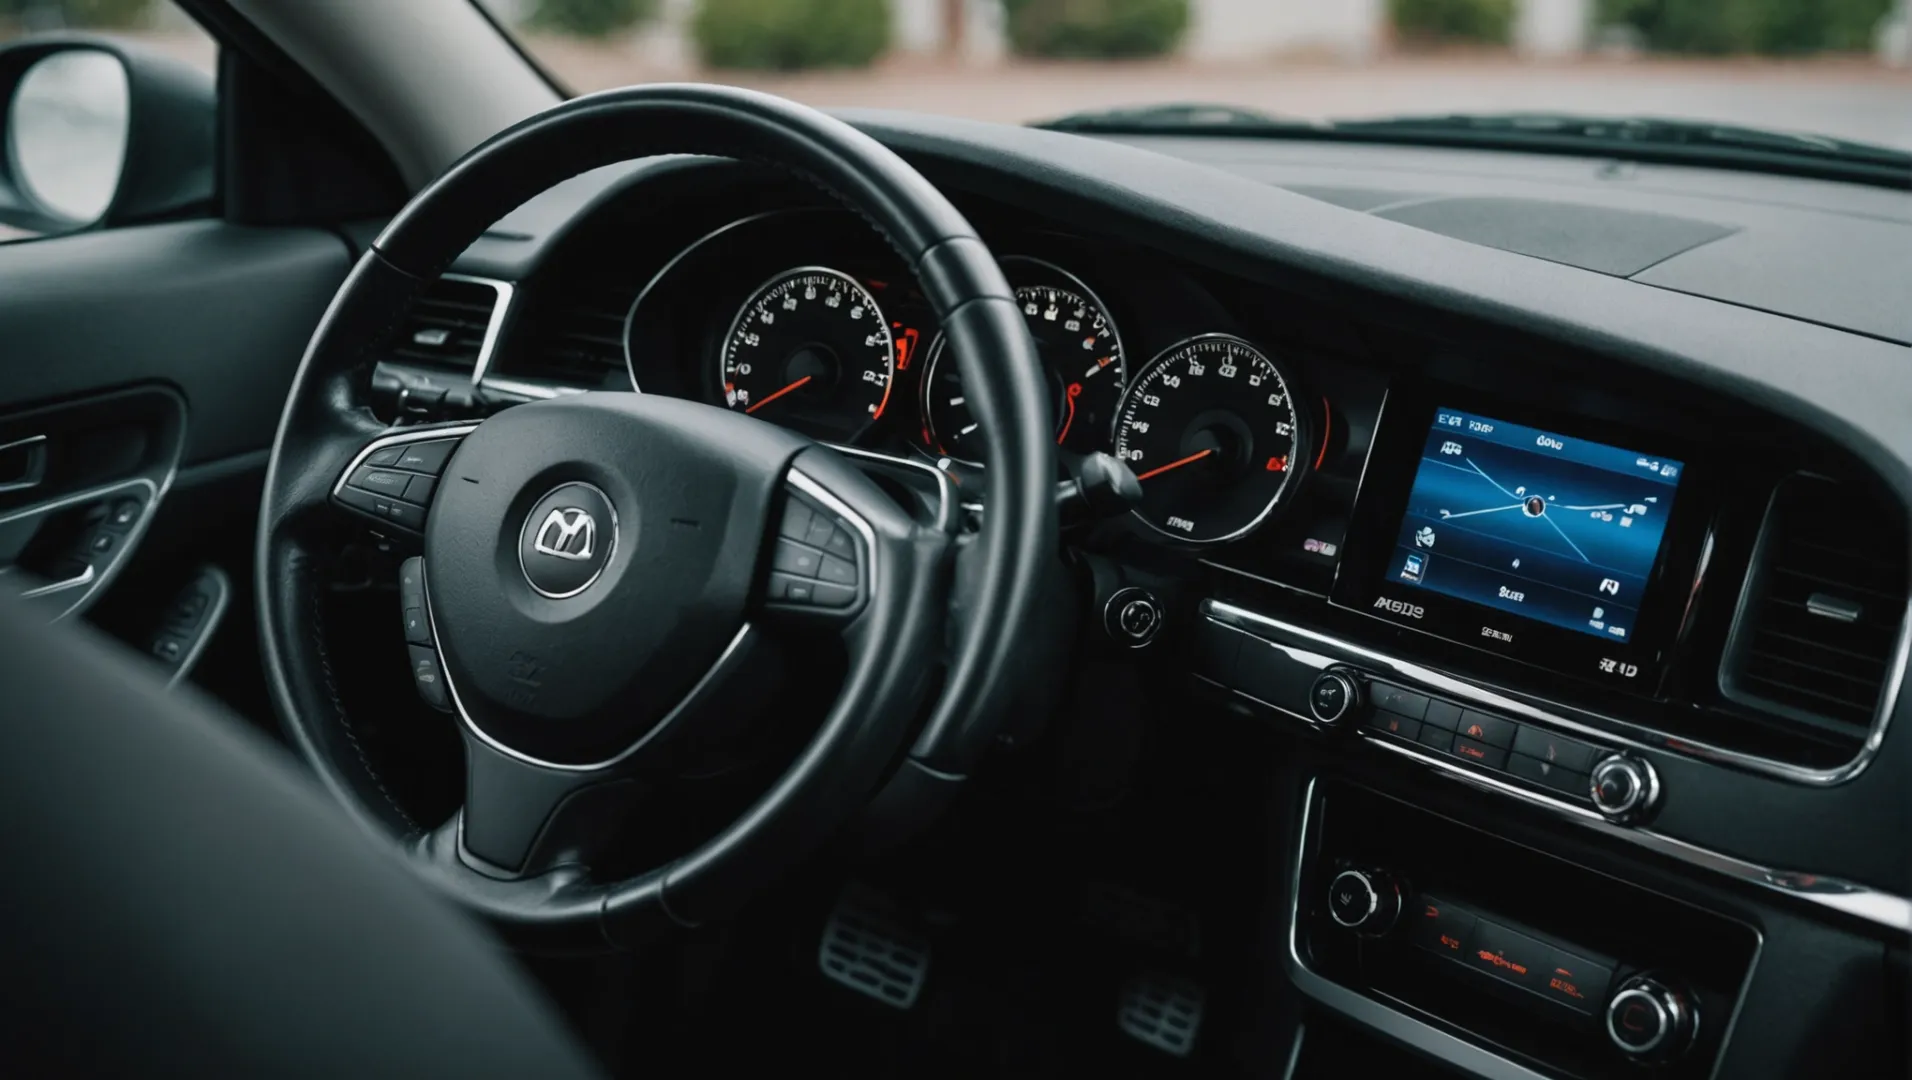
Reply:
x=575 y=337
x=1817 y=634
x=447 y=324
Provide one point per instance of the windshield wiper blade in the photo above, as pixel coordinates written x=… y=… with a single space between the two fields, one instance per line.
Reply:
x=1178 y=118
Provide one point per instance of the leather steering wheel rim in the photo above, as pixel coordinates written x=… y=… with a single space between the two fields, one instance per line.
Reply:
x=913 y=621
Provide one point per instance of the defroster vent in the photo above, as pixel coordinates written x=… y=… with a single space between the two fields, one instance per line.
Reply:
x=1817 y=637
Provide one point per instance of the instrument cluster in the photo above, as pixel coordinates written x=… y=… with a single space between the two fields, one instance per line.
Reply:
x=805 y=319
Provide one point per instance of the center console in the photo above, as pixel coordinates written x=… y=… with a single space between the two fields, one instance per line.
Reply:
x=1537 y=960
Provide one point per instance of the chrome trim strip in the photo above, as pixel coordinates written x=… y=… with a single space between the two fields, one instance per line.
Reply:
x=49 y=589
x=1642 y=737
x=494 y=326
x=1860 y=901
x=526 y=388
x=399 y=437
x=38 y=475
x=1362 y=1009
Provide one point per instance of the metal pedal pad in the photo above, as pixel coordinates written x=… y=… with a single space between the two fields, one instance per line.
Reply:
x=1165 y=1013
x=867 y=947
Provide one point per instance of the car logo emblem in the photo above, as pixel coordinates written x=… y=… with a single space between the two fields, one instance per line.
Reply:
x=568 y=532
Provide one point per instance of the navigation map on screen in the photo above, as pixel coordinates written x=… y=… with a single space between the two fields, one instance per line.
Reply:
x=1552 y=528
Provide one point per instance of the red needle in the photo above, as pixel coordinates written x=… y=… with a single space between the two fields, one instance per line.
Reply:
x=1160 y=469
x=1075 y=391
x=778 y=394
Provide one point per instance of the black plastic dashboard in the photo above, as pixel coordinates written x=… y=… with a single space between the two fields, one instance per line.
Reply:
x=1684 y=493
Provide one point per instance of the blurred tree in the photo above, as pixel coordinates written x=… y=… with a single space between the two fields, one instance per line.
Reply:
x=788 y=35
x=1750 y=26
x=1486 y=21
x=1093 y=29
x=78 y=14
x=590 y=18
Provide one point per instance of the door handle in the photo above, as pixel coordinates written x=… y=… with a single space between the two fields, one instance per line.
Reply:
x=23 y=464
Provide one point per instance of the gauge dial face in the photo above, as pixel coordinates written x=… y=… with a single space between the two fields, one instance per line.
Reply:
x=1211 y=429
x=810 y=350
x=1082 y=364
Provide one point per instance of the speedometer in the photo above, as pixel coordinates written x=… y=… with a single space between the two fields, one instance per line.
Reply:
x=1211 y=429
x=811 y=351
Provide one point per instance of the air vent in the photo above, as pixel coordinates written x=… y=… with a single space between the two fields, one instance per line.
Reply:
x=575 y=337
x=448 y=324
x=1818 y=630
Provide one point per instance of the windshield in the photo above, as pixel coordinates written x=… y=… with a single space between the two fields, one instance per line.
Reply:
x=1835 y=68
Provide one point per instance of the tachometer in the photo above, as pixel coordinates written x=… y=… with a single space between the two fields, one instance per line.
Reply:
x=1082 y=363
x=810 y=350
x=1211 y=429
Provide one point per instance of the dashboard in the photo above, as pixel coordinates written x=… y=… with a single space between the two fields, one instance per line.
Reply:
x=1599 y=576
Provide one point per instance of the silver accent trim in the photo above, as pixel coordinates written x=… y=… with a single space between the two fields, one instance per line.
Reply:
x=399 y=437
x=1859 y=901
x=1646 y=786
x=936 y=346
x=84 y=578
x=494 y=326
x=1303 y=435
x=1374 y=899
x=96 y=579
x=609 y=553
x=526 y=388
x=37 y=466
x=1667 y=1021
x=1362 y=1009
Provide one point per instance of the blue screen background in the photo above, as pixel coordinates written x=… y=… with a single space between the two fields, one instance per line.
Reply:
x=1558 y=529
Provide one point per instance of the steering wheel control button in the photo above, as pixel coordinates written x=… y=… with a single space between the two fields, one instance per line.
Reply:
x=1491 y=730
x=817 y=562
x=1441 y=927
x=1333 y=696
x=567 y=540
x=419 y=490
x=1624 y=788
x=381 y=481
x=1132 y=617
x=385 y=457
x=1366 y=901
x=428 y=675
x=1650 y=1021
x=1402 y=702
x=418 y=630
x=426 y=457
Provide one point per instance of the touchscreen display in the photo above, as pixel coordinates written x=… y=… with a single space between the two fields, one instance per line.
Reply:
x=1552 y=528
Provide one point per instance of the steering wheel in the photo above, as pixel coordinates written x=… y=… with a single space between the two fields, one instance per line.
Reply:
x=598 y=568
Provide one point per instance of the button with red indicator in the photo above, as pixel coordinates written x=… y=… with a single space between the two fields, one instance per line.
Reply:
x=1508 y=956
x=1576 y=982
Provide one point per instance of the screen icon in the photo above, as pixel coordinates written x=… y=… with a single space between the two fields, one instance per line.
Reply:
x=1424 y=537
x=1609 y=586
x=1451 y=448
x=1411 y=570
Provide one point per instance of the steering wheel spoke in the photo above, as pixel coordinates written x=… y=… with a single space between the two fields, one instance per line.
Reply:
x=395 y=477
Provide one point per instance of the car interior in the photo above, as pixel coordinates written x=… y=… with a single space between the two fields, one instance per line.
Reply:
x=672 y=580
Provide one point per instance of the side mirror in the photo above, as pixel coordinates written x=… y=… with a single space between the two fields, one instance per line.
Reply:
x=97 y=134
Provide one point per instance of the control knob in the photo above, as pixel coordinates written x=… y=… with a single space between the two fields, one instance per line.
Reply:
x=1335 y=696
x=1650 y=1021
x=1625 y=788
x=1133 y=617
x=1366 y=901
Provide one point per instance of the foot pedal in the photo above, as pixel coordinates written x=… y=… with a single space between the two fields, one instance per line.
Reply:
x=867 y=947
x=1162 y=1012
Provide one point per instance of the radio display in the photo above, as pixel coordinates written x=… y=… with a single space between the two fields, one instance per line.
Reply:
x=1560 y=530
